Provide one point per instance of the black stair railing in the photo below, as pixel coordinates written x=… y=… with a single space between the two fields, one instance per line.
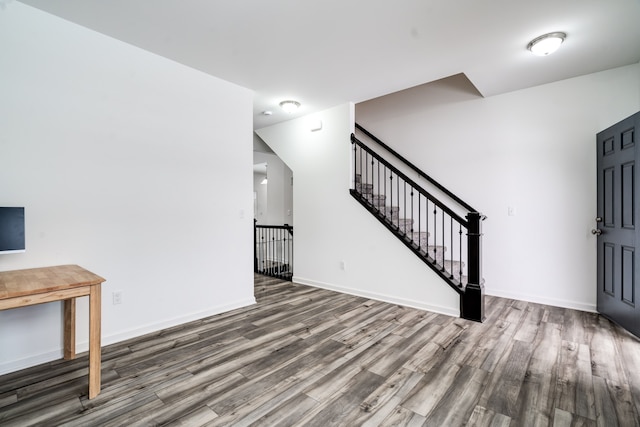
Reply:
x=446 y=236
x=273 y=250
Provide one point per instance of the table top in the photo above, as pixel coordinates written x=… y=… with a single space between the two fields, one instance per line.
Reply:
x=17 y=283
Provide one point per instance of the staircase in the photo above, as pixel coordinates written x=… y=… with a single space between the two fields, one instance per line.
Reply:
x=437 y=226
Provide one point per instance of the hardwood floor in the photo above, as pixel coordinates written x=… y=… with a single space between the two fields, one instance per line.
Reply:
x=311 y=357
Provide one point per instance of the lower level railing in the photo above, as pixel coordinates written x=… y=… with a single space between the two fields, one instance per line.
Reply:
x=273 y=250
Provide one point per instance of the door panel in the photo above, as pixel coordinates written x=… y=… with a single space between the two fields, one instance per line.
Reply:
x=617 y=153
x=627 y=195
x=609 y=183
x=628 y=275
x=609 y=262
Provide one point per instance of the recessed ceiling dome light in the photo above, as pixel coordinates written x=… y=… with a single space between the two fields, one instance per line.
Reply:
x=290 y=106
x=546 y=44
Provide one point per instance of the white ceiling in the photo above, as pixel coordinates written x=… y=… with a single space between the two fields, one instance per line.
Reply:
x=326 y=52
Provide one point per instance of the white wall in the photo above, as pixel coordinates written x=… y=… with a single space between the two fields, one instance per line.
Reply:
x=128 y=164
x=330 y=227
x=260 y=191
x=275 y=197
x=533 y=150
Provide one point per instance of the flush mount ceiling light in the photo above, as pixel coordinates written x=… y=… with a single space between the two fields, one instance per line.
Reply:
x=290 y=106
x=546 y=44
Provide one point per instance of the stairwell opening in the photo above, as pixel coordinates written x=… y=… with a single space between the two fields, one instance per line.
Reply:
x=273 y=213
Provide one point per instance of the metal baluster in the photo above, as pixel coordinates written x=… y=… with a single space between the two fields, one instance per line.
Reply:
x=372 y=177
x=404 y=197
x=391 y=190
x=412 y=230
x=268 y=265
x=265 y=247
x=378 y=186
x=360 y=170
x=451 y=240
x=426 y=220
x=280 y=253
x=262 y=250
x=443 y=263
x=398 y=197
x=419 y=223
x=460 y=254
x=435 y=232
x=355 y=165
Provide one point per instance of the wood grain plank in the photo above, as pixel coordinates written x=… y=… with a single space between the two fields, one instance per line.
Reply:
x=39 y=410
x=181 y=406
x=623 y=404
x=630 y=356
x=282 y=356
x=528 y=328
x=563 y=418
x=539 y=384
x=605 y=360
x=403 y=417
x=288 y=413
x=351 y=396
x=431 y=389
x=198 y=417
x=464 y=391
x=245 y=392
x=382 y=402
x=605 y=409
x=504 y=389
x=574 y=393
x=270 y=403
x=483 y=417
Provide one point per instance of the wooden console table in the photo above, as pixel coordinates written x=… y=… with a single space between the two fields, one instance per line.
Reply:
x=20 y=288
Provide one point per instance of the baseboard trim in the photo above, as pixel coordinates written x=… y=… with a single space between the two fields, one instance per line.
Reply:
x=574 y=305
x=154 y=327
x=378 y=297
x=83 y=346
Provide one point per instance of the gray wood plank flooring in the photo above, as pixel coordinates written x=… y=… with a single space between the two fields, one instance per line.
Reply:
x=312 y=357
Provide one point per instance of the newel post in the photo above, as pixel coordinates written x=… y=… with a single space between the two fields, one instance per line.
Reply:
x=472 y=301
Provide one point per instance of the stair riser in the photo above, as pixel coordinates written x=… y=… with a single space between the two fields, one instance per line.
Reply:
x=421 y=238
x=390 y=212
x=453 y=267
x=435 y=252
x=405 y=225
x=364 y=188
x=376 y=200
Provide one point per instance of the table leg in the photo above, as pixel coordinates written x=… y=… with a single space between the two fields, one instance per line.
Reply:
x=70 y=328
x=94 y=341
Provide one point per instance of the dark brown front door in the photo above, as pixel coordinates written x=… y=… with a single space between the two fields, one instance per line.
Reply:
x=618 y=224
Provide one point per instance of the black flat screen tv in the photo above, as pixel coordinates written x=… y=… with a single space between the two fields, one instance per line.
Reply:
x=11 y=230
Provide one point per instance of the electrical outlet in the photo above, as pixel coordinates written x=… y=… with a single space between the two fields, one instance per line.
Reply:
x=343 y=266
x=117 y=297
